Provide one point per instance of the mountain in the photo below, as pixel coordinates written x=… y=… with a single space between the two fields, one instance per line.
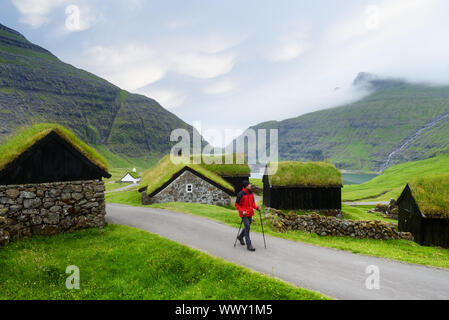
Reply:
x=397 y=122
x=35 y=86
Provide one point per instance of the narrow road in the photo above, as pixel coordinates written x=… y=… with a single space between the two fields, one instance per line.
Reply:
x=361 y=203
x=338 y=274
x=124 y=188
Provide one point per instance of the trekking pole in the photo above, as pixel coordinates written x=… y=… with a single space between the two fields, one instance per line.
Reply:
x=238 y=232
x=263 y=233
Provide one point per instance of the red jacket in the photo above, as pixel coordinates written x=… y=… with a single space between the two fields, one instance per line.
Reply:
x=245 y=202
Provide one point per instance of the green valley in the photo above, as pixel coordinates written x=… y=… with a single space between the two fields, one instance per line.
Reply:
x=391 y=183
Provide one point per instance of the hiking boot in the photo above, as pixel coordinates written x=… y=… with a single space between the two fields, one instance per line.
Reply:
x=251 y=248
x=242 y=242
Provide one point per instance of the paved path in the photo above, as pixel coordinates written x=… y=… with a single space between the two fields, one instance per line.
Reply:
x=124 y=188
x=359 y=203
x=338 y=274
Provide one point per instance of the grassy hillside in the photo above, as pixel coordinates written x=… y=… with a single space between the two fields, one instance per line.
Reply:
x=35 y=86
x=361 y=135
x=391 y=183
x=125 y=263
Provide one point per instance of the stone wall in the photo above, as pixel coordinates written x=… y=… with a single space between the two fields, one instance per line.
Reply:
x=330 y=226
x=50 y=208
x=202 y=192
x=390 y=210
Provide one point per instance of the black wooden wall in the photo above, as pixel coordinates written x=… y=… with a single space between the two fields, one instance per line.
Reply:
x=51 y=159
x=237 y=182
x=301 y=198
x=426 y=231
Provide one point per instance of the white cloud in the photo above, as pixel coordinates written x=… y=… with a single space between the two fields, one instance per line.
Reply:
x=35 y=12
x=219 y=87
x=135 y=66
x=288 y=51
x=202 y=66
x=286 y=47
x=130 y=67
x=386 y=14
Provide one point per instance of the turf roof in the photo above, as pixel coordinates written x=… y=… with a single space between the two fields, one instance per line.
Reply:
x=223 y=169
x=304 y=174
x=432 y=195
x=156 y=176
x=26 y=137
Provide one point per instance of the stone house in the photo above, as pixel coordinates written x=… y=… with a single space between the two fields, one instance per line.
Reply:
x=50 y=182
x=167 y=182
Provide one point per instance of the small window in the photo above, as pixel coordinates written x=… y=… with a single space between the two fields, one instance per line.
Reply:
x=189 y=188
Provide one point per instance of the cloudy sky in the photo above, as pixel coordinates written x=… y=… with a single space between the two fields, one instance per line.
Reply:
x=232 y=63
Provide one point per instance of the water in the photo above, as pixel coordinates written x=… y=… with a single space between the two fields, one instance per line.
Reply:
x=357 y=178
x=256 y=175
x=348 y=178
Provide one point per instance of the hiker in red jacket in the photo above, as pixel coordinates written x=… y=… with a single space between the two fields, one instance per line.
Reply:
x=246 y=205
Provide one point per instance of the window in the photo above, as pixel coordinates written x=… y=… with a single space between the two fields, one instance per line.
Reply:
x=189 y=188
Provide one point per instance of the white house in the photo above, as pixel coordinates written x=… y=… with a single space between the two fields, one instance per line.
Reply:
x=130 y=178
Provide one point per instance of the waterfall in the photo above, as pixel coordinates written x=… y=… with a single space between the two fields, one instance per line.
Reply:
x=405 y=143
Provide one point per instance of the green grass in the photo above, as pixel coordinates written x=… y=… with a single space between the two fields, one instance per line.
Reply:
x=304 y=174
x=25 y=137
x=401 y=250
x=392 y=182
x=361 y=213
x=257 y=182
x=157 y=175
x=218 y=165
x=432 y=195
x=118 y=173
x=26 y=52
x=11 y=35
x=116 y=160
x=129 y=197
x=114 y=186
x=126 y=263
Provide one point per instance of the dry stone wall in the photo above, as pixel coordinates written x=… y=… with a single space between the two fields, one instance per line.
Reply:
x=331 y=226
x=50 y=208
x=202 y=192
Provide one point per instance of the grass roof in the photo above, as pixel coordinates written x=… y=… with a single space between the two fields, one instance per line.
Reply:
x=304 y=174
x=165 y=169
x=431 y=194
x=26 y=137
x=223 y=169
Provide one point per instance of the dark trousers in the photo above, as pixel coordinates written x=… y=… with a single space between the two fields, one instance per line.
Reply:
x=245 y=232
